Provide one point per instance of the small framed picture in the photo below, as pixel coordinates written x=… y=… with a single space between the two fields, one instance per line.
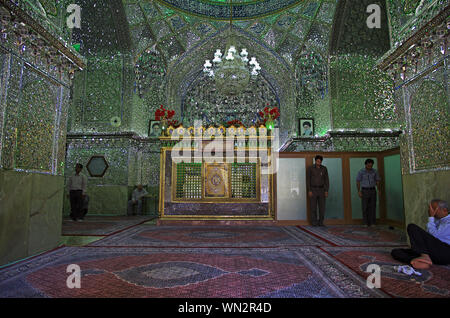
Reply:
x=154 y=128
x=306 y=127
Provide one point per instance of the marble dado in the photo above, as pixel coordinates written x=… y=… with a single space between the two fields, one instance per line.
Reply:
x=419 y=189
x=30 y=218
x=103 y=200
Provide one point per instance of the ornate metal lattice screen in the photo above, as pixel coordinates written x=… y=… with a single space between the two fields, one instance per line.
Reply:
x=189 y=181
x=244 y=180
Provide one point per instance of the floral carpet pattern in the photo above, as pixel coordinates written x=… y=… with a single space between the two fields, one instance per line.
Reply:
x=186 y=273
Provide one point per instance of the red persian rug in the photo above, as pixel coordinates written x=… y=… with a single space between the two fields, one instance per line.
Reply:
x=185 y=273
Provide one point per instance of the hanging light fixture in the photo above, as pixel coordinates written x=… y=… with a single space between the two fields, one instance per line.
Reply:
x=232 y=71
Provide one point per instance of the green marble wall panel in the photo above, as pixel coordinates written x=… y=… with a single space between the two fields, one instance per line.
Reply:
x=15 y=193
x=109 y=199
x=103 y=200
x=45 y=213
x=419 y=189
x=30 y=214
x=393 y=188
x=335 y=201
x=357 y=164
x=291 y=189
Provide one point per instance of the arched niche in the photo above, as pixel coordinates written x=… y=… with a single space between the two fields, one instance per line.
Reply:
x=185 y=70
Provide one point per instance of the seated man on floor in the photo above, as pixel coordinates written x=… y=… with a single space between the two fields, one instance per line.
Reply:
x=430 y=247
x=137 y=198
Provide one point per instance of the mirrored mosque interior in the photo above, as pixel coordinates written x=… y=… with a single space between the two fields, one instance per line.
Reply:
x=217 y=109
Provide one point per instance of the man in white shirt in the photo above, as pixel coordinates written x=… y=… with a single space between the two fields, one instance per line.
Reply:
x=76 y=186
x=432 y=246
x=136 y=199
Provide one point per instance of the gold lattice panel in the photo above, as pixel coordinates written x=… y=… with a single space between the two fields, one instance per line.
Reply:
x=244 y=180
x=188 y=184
x=216 y=182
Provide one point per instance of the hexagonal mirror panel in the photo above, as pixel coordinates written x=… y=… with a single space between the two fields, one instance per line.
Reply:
x=97 y=166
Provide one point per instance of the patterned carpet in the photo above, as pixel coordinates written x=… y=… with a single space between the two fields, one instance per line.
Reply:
x=433 y=283
x=185 y=273
x=211 y=236
x=359 y=235
x=137 y=259
x=101 y=225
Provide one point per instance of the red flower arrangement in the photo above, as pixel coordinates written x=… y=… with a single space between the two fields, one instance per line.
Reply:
x=163 y=114
x=269 y=114
x=235 y=122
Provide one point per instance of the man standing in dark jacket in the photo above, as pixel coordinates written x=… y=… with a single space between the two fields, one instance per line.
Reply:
x=317 y=184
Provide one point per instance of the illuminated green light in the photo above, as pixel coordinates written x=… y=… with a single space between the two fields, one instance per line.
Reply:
x=77 y=47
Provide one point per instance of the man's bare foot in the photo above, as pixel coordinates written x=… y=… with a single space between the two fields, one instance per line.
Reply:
x=422 y=262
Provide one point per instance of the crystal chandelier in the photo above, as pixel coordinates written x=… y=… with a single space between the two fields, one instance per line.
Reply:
x=232 y=71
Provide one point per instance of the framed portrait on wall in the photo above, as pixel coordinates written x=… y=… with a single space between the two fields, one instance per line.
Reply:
x=306 y=127
x=154 y=128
